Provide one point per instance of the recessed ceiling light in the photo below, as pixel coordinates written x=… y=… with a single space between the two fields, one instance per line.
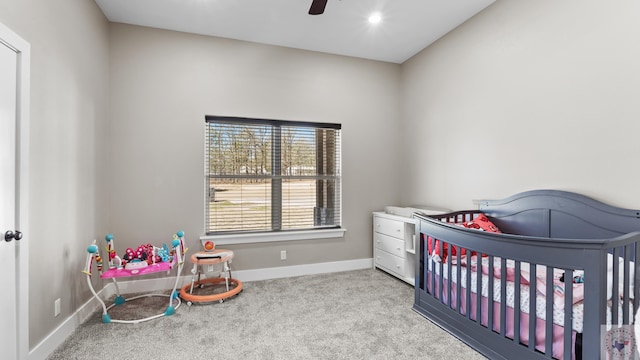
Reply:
x=375 y=18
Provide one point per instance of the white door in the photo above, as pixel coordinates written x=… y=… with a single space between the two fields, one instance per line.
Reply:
x=14 y=194
x=8 y=121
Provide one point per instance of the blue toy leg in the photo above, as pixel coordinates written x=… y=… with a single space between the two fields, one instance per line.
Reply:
x=106 y=318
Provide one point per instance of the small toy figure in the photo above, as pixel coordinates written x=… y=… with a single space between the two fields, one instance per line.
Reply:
x=164 y=253
x=99 y=262
x=114 y=259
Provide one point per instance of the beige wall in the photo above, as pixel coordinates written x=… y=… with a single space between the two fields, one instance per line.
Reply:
x=527 y=95
x=163 y=83
x=69 y=112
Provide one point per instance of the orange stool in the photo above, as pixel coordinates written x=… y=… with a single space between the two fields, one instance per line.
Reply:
x=218 y=256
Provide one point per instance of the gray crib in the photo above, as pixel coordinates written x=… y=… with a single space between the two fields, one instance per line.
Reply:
x=545 y=232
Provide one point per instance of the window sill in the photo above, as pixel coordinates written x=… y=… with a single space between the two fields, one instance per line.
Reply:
x=232 y=239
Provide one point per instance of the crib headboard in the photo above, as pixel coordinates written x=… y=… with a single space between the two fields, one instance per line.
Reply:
x=559 y=214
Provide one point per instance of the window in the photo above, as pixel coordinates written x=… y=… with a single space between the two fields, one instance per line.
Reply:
x=270 y=175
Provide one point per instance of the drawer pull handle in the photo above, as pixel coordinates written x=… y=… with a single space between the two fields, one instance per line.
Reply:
x=398 y=249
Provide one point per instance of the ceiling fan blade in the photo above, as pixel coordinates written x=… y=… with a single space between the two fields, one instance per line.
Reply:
x=317 y=7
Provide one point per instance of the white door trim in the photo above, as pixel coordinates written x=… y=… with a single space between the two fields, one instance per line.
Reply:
x=23 y=50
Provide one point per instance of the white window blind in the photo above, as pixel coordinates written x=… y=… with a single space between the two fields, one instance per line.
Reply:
x=271 y=175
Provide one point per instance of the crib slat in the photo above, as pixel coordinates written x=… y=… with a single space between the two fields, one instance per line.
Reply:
x=615 y=287
x=425 y=264
x=533 y=267
x=440 y=292
x=636 y=272
x=625 y=281
x=548 y=331
x=568 y=313
x=490 y=295
x=433 y=277
x=448 y=277
x=516 y=304
x=458 y=283
x=468 y=292
x=478 y=289
x=503 y=297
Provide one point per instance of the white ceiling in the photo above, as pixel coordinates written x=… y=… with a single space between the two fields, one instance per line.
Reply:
x=407 y=26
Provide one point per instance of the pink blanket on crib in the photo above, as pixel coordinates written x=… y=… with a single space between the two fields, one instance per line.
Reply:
x=525 y=277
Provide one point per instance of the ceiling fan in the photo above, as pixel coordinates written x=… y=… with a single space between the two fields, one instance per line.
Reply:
x=317 y=7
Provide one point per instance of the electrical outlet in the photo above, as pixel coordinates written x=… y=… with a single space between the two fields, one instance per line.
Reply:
x=210 y=268
x=283 y=255
x=56 y=307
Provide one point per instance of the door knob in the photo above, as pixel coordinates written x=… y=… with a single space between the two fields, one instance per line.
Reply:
x=10 y=235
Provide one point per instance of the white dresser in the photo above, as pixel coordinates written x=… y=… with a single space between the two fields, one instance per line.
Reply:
x=394 y=245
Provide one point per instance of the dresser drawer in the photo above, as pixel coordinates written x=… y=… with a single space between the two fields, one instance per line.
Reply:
x=390 y=262
x=389 y=227
x=389 y=244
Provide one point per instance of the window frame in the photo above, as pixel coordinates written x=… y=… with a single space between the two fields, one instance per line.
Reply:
x=270 y=235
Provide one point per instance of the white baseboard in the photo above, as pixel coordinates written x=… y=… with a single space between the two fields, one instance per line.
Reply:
x=62 y=332
x=165 y=283
x=300 y=270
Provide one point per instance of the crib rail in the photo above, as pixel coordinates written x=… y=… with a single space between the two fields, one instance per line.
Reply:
x=598 y=275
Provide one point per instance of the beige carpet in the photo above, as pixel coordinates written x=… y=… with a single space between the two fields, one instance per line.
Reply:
x=362 y=314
